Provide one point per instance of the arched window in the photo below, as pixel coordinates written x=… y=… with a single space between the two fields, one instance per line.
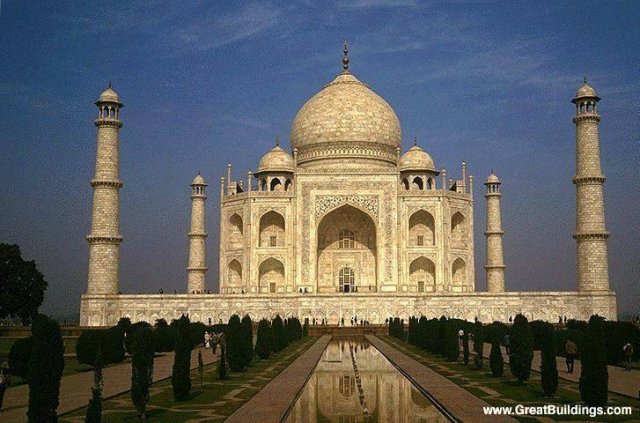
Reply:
x=276 y=185
x=287 y=185
x=405 y=183
x=421 y=228
x=235 y=233
x=429 y=184
x=272 y=230
x=347 y=279
x=417 y=183
x=458 y=230
x=346 y=239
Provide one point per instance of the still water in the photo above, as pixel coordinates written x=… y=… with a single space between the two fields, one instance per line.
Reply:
x=353 y=382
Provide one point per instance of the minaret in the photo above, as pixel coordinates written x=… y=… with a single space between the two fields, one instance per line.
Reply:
x=495 y=261
x=197 y=236
x=104 y=239
x=591 y=234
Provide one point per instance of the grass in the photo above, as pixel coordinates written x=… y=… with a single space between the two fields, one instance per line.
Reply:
x=505 y=391
x=216 y=401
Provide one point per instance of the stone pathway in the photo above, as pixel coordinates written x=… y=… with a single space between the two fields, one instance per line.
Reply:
x=456 y=400
x=620 y=382
x=75 y=390
x=272 y=402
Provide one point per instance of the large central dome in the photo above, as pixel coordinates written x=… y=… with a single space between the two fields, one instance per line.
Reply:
x=346 y=119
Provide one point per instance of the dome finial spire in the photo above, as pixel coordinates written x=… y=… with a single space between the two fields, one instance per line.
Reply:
x=277 y=141
x=109 y=84
x=345 y=59
x=415 y=141
x=584 y=80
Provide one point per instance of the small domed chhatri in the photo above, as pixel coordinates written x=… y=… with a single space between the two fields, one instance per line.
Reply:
x=110 y=96
x=493 y=179
x=276 y=160
x=198 y=180
x=586 y=90
x=416 y=159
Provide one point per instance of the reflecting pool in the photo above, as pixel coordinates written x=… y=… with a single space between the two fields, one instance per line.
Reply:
x=353 y=382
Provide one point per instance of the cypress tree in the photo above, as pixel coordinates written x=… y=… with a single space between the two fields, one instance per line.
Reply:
x=548 y=368
x=141 y=368
x=594 y=377
x=94 y=411
x=264 y=341
x=496 y=362
x=478 y=343
x=422 y=335
x=279 y=337
x=222 y=363
x=46 y=363
x=521 y=339
x=442 y=336
x=181 y=376
x=452 y=347
x=236 y=351
x=247 y=334
x=305 y=328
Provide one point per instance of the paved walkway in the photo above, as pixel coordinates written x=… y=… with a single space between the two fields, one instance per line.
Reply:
x=620 y=382
x=456 y=400
x=75 y=390
x=273 y=401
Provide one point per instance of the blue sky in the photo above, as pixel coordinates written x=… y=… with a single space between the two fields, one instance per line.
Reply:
x=205 y=83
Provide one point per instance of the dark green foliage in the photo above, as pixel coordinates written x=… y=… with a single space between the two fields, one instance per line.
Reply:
x=495 y=332
x=165 y=338
x=521 y=339
x=396 y=328
x=46 y=363
x=548 y=368
x=465 y=346
x=422 y=334
x=538 y=329
x=222 y=363
x=442 y=336
x=247 y=338
x=452 y=345
x=180 y=377
x=594 y=377
x=279 y=337
x=112 y=345
x=305 y=328
x=264 y=339
x=496 y=362
x=19 y=357
x=617 y=334
x=411 y=331
x=141 y=368
x=87 y=346
x=200 y=368
x=94 y=410
x=124 y=323
x=432 y=335
x=197 y=333
x=561 y=336
x=235 y=345
x=22 y=286
x=130 y=332
x=478 y=344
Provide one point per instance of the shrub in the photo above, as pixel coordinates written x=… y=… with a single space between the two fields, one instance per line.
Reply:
x=279 y=339
x=442 y=336
x=478 y=343
x=130 y=332
x=465 y=346
x=305 y=328
x=548 y=368
x=432 y=335
x=617 y=334
x=180 y=377
x=538 y=329
x=112 y=348
x=19 y=357
x=222 y=363
x=87 y=346
x=521 y=339
x=422 y=332
x=197 y=330
x=46 y=363
x=141 y=368
x=452 y=345
x=235 y=345
x=264 y=341
x=247 y=337
x=94 y=410
x=495 y=332
x=164 y=339
x=594 y=378
x=561 y=336
x=496 y=362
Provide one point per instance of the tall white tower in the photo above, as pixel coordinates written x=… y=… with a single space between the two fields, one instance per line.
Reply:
x=495 y=261
x=104 y=239
x=197 y=237
x=591 y=234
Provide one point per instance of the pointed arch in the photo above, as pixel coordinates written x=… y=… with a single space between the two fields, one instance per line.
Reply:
x=272 y=232
x=417 y=183
x=458 y=230
x=405 y=183
x=271 y=275
x=275 y=185
x=458 y=274
x=234 y=273
x=422 y=229
x=422 y=275
x=235 y=234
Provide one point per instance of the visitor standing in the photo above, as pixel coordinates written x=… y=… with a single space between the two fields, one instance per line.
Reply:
x=628 y=353
x=571 y=351
x=507 y=344
x=207 y=340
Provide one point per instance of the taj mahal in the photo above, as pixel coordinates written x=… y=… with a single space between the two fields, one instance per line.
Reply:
x=347 y=225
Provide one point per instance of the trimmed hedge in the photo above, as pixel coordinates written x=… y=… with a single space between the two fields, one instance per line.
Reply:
x=594 y=377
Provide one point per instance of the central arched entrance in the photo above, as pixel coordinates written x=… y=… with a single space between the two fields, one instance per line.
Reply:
x=346 y=251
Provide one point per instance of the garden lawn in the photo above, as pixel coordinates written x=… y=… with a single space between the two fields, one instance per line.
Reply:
x=215 y=402
x=505 y=391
